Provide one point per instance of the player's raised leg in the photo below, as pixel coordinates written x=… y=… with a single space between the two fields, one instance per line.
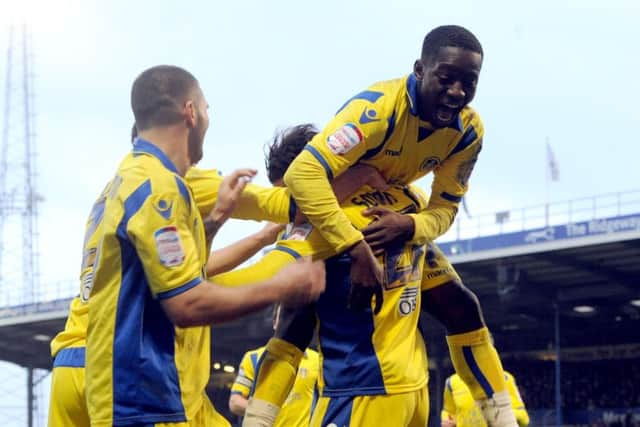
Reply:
x=278 y=365
x=473 y=355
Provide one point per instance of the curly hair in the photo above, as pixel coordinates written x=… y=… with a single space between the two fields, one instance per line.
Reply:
x=284 y=147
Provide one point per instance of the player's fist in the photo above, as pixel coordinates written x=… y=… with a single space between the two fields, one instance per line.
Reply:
x=448 y=423
x=301 y=282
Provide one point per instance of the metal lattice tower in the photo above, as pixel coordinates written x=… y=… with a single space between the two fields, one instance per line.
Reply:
x=19 y=275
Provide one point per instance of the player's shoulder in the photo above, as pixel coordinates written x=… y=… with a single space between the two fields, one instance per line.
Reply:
x=257 y=351
x=199 y=173
x=391 y=87
x=145 y=171
x=471 y=120
x=381 y=95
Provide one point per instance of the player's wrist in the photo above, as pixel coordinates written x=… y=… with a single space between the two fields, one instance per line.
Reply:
x=212 y=223
x=408 y=227
x=359 y=250
x=218 y=216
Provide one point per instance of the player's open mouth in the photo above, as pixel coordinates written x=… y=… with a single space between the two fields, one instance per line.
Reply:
x=445 y=114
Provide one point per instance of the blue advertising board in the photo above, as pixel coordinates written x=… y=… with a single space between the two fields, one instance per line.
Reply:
x=551 y=233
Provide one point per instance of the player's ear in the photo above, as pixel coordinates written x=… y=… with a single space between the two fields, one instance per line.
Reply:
x=418 y=69
x=190 y=114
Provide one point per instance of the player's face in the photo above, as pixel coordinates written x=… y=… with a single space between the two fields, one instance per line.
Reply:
x=199 y=129
x=446 y=84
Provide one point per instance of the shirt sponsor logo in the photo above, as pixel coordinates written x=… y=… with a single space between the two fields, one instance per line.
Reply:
x=393 y=153
x=438 y=273
x=169 y=246
x=374 y=198
x=344 y=139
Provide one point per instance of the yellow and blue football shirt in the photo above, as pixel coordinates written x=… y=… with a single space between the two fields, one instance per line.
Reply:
x=140 y=368
x=460 y=406
x=257 y=203
x=296 y=410
x=68 y=346
x=72 y=337
x=381 y=127
x=361 y=353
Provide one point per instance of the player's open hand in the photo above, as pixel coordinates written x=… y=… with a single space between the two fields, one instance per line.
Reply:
x=366 y=278
x=302 y=282
x=229 y=192
x=387 y=227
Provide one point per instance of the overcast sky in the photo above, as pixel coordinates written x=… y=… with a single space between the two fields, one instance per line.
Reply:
x=563 y=70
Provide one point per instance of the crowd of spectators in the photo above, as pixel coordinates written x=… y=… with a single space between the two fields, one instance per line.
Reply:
x=600 y=384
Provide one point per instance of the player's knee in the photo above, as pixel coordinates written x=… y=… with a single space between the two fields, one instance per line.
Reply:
x=455 y=306
x=296 y=326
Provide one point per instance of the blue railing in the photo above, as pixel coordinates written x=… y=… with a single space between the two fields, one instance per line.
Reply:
x=544 y=215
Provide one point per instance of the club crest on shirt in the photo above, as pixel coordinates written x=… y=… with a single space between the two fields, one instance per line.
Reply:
x=464 y=170
x=344 y=139
x=169 y=246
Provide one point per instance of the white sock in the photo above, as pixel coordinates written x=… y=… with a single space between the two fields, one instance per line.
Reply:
x=260 y=413
x=497 y=410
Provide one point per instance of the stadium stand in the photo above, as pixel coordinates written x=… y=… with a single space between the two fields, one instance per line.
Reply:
x=569 y=268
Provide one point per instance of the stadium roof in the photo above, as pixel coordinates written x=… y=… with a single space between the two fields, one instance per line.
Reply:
x=592 y=280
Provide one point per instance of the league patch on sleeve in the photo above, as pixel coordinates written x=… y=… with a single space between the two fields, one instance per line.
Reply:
x=297 y=232
x=344 y=139
x=169 y=246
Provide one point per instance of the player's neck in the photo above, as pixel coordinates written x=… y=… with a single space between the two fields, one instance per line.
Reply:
x=172 y=141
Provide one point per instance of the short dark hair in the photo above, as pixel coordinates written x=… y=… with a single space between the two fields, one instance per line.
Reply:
x=449 y=36
x=134 y=132
x=285 y=146
x=157 y=95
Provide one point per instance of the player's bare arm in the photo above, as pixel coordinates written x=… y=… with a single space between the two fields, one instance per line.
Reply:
x=297 y=284
x=231 y=256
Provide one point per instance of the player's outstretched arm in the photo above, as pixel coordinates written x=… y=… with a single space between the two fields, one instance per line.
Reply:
x=231 y=256
x=297 y=284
